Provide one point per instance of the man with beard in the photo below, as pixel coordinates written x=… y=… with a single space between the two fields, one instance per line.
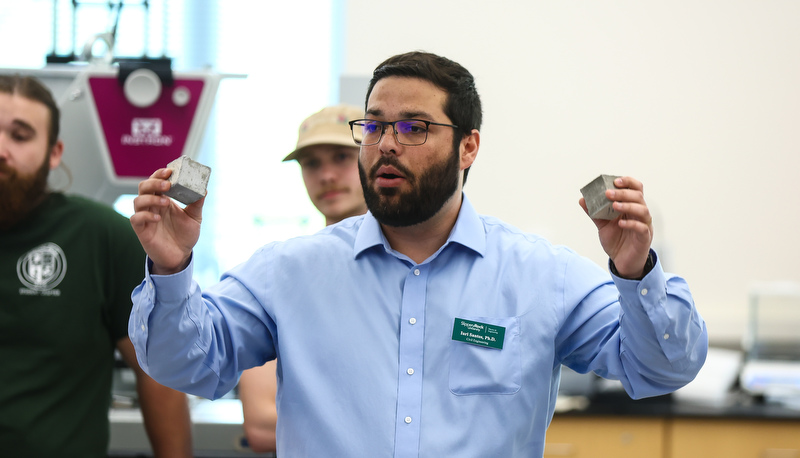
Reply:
x=328 y=160
x=66 y=268
x=420 y=329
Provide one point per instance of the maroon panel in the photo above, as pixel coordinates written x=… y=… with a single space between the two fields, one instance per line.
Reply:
x=141 y=140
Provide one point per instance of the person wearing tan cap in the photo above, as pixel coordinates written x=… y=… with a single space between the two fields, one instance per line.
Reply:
x=328 y=158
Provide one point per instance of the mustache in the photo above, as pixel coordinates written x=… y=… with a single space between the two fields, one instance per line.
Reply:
x=328 y=189
x=6 y=169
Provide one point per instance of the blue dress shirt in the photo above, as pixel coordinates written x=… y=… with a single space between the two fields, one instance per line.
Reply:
x=367 y=364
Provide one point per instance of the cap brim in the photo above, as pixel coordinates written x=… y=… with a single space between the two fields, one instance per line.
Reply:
x=320 y=140
x=292 y=156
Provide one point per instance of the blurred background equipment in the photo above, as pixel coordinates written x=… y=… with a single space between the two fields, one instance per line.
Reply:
x=122 y=122
x=122 y=117
x=772 y=343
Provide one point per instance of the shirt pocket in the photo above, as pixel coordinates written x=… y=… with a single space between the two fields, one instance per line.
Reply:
x=483 y=370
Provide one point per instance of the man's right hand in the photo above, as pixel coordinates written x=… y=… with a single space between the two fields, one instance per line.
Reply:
x=166 y=231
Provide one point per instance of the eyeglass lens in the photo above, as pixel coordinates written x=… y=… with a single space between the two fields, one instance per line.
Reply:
x=408 y=132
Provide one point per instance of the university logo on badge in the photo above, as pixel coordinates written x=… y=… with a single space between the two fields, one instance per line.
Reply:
x=146 y=131
x=42 y=268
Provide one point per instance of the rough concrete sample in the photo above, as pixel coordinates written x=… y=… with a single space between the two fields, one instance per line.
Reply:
x=595 y=195
x=189 y=180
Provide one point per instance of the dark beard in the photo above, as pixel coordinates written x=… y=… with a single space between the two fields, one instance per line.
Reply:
x=430 y=191
x=19 y=195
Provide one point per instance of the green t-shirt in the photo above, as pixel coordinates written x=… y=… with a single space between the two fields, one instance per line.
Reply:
x=66 y=275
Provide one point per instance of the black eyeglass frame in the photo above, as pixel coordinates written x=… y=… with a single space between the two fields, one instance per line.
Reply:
x=428 y=124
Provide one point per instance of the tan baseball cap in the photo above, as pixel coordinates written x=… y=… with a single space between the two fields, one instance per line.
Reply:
x=328 y=126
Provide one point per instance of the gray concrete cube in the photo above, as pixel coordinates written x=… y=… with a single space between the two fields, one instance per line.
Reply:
x=189 y=180
x=595 y=195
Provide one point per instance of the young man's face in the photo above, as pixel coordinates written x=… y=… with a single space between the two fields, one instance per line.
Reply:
x=406 y=185
x=25 y=158
x=330 y=174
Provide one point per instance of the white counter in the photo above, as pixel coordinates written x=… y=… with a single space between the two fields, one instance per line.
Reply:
x=216 y=431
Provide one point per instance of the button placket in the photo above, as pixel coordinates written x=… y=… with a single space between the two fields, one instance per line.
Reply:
x=409 y=392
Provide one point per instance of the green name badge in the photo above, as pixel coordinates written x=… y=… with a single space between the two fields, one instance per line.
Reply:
x=476 y=333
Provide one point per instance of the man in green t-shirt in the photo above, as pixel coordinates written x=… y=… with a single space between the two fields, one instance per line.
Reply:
x=67 y=266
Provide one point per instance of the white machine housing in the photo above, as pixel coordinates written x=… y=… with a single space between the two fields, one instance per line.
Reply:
x=118 y=132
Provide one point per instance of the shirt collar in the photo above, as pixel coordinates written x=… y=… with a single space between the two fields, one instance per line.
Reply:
x=468 y=231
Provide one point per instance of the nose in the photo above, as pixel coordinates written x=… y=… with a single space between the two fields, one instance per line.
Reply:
x=327 y=173
x=388 y=143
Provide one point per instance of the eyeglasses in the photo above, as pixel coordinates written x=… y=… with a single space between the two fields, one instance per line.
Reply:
x=409 y=132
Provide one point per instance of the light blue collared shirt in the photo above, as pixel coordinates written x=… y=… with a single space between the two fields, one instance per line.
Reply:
x=367 y=364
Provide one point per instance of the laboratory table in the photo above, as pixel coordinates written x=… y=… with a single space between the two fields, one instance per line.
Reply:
x=616 y=426
x=603 y=426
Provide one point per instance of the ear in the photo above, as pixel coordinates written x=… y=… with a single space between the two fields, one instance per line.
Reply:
x=469 y=148
x=55 y=154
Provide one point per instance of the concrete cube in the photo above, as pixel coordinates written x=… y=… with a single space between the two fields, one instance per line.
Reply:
x=595 y=195
x=189 y=180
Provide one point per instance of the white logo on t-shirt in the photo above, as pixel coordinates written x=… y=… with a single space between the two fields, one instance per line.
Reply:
x=42 y=269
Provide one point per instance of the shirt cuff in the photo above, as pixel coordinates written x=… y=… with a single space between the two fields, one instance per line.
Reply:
x=646 y=303
x=648 y=266
x=172 y=288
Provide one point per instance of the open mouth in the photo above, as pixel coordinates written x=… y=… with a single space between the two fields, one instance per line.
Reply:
x=388 y=179
x=388 y=175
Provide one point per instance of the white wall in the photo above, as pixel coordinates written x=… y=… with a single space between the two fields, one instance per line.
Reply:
x=699 y=99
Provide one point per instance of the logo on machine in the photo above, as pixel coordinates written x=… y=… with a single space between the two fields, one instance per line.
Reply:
x=42 y=269
x=146 y=131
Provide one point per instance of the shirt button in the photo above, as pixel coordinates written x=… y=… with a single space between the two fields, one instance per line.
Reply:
x=408 y=419
x=150 y=285
x=416 y=272
x=412 y=320
x=644 y=291
x=142 y=327
x=410 y=371
x=666 y=336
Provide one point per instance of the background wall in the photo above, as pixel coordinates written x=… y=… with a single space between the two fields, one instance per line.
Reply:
x=700 y=100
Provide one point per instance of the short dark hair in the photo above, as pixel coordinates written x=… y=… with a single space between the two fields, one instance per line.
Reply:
x=463 y=104
x=31 y=88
